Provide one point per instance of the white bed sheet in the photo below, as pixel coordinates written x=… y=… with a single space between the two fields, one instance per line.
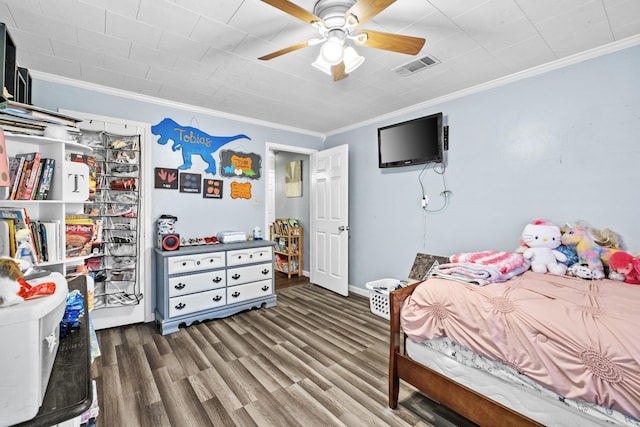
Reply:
x=504 y=385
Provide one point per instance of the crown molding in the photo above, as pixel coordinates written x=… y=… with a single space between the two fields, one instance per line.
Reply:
x=534 y=71
x=501 y=81
x=166 y=103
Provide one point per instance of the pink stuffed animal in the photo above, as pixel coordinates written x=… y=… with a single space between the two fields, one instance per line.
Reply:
x=624 y=266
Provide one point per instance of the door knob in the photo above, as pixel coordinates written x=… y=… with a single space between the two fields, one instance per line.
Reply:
x=343 y=228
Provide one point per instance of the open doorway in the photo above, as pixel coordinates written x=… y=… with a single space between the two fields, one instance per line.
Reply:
x=279 y=205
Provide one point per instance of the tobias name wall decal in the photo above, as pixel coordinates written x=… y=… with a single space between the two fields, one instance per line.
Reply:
x=192 y=141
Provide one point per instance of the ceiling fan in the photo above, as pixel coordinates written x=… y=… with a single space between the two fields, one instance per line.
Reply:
x=338 y=22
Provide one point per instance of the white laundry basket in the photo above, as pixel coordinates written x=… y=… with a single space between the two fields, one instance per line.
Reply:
x=379 y=295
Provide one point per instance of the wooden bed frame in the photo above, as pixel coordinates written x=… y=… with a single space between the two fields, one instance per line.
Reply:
x=464 y=401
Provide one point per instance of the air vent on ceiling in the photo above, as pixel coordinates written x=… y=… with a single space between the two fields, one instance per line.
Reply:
x=416 y=65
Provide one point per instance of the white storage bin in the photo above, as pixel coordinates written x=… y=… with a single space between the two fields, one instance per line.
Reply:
x=30 y=333
x=379 y=295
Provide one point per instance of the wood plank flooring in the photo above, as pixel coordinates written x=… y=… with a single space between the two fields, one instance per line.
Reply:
x=316 y=359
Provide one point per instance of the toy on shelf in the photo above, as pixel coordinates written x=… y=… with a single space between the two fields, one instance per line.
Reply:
x=197 y=241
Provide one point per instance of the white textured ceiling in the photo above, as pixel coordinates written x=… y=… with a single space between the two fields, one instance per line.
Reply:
x=204 y=52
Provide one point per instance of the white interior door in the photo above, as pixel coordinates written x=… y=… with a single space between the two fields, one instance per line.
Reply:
x=329 y=234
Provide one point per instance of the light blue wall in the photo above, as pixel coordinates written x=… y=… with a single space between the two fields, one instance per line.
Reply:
x=562 y=146
x=197 y=217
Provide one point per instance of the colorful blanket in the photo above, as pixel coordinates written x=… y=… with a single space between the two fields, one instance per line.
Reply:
x=482 y=268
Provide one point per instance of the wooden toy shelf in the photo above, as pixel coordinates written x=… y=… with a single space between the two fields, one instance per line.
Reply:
x=288 y=248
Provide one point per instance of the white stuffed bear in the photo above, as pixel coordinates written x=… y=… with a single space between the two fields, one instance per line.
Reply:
x=541 y=239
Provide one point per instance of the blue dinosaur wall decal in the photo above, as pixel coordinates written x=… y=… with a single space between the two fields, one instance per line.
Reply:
x=192 y=141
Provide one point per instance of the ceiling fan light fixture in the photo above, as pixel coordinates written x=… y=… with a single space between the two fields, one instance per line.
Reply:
x=360 y=38
x=351 y=59
x=322 y=65
x=332 y=50
x=351 y=20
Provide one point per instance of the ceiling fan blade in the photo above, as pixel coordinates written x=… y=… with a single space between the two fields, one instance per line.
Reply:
x=338 y=72
x=393 y=42
x=364 y=10
x=283 y=51
x=294 y=10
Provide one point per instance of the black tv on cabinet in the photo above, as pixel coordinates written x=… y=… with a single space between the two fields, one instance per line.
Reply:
x=412 y=142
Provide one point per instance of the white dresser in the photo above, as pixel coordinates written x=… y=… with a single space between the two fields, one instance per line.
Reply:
x=208 y=282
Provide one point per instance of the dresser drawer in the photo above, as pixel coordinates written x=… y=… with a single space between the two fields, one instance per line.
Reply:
x=195 y=262
x=251 y=273
x=249 y=255
x=183 y=285
x=192 y=303
x=249 y=291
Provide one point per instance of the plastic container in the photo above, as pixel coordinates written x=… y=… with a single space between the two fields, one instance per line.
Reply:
x=30 y=334
x=379 y=295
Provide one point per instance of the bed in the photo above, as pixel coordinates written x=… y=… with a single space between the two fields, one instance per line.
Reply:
x=559 y=350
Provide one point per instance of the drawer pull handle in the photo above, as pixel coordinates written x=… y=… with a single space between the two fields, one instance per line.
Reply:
x=217 y=279
x=180 y=306
x=197 y=262
x=265 y=271
x=184 y=263
x=217 y=298
x=251 y=256
x=212 y=260
x=180 y=286
x=265 y=288
x=235 y=276
x=236 y=294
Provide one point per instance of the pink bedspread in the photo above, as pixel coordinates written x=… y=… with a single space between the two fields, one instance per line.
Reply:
x=578 y=338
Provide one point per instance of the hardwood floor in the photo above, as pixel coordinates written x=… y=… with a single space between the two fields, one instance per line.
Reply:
x=316 y=359
x=282 y=281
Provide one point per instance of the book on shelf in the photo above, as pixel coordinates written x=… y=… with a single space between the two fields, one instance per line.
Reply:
x=42 y=192
x=25 y=245
x=38 y=114
x=8 y=237
x=285 y=226
x=23 y=174
x=47 y=237
x=30 y=176
x=79 y=231
x=15 y=171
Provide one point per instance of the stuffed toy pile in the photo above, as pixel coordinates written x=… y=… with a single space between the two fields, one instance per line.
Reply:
x=579 y=251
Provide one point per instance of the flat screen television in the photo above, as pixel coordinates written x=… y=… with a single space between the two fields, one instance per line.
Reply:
x=412 y=142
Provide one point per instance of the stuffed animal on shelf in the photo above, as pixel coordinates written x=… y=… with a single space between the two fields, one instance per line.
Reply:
x=9 y=285
x=624 y=267
x=589 y=252
x=541 y=239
